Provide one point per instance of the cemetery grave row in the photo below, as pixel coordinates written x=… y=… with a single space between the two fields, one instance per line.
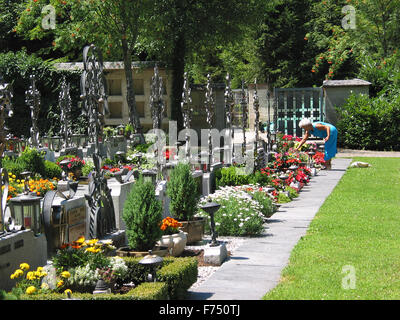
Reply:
x=110 y=213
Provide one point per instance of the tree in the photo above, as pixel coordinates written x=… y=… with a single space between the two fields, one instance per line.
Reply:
x=345 y=50
x=177 y=30
x=113 y=26
x=284 y=52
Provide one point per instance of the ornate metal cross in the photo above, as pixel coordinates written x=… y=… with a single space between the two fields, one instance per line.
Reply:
x=93 y=87
x=187 y=110
x=244 y=107
x=229 y=107
x=66 y=107
x=6 y=111
x=157 y=105
x=32 y=99
x=210 y=109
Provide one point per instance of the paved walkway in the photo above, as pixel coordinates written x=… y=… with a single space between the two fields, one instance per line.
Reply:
x=256 y=265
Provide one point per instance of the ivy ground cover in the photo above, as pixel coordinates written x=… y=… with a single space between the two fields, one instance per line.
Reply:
x=352 y=248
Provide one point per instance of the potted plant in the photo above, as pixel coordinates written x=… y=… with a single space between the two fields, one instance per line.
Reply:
x=142 y=215
x=173 y=238
x=182 y=190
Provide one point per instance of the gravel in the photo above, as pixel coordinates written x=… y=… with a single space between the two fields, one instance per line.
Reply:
x=204 y=272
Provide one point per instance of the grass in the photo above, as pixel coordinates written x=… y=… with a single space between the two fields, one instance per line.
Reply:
x=357 y=226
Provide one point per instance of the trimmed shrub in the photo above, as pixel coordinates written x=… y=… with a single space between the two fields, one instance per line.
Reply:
x=52 y=170
x=182 y=189
x=370 y=123
x=29 y=160
x=230 y=177
x=144 y=291
x=179 y=275
x=142 y=215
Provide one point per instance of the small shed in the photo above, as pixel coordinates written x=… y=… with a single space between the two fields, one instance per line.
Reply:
x=336 y=93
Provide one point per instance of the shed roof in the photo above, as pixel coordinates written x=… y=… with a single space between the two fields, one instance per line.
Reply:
x=345 y=83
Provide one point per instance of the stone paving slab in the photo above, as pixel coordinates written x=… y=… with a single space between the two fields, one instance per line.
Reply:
x=256 y=266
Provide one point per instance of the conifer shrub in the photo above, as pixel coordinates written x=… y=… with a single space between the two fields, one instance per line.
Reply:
x=182 y=190
x=142 y=215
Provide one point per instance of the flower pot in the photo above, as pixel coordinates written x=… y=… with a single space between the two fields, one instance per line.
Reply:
x=160 y=251
x=194 y=229
x=175 y=242
x=77 y=173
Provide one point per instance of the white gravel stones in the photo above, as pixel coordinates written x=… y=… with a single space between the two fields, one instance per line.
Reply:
x=231 y=243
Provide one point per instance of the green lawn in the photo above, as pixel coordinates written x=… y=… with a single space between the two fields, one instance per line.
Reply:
x=358 y=226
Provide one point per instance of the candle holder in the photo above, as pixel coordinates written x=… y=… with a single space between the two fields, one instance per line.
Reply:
x=211 y=208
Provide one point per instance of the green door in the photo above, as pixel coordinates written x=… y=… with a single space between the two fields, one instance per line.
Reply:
x=294 y=104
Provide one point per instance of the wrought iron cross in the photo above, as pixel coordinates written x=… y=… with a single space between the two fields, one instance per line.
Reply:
x=244 y=107
x=93 y=87
x=6 y=111
x=32 y=99
x=65 y=107
x=157 y=105
x=210 y=109
x=187 y=110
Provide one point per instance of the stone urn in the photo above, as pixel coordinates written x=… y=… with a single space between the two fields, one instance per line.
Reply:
x=175 y=242
x=194 y=229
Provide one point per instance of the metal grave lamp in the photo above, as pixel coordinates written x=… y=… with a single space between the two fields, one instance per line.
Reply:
x=211 y=208
x=167 y=169
x=151 y=261
x=64 y=166
x=121 y=130
x=311 y=159
x=120 y=156
x=26 y=212
x=150 y=175
x=56 y=143
x=283 y=177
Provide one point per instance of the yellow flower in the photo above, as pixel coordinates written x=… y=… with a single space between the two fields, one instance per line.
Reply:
x=60 y=283
x=92 y=242
x=18 y=273
x=24 y=266
x=30 y=290
x=13 y=176
x=12 y=276
x=65 y=274
x=80 y=240
x=44 y=286
x=30 y=275
x=68 y=291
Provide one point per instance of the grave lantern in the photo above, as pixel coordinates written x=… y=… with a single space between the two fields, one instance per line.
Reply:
x=152 y=262
x=46 y=141
x=25 y=210
x=167 y=169
x=211 y=208
x=149 y=175
x=121 y=130
x=57 y=143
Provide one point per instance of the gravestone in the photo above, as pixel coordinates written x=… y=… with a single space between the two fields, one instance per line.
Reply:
x=18 y=247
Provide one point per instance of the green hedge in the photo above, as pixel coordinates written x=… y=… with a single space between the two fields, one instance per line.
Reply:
x=370 y=123
x=144 y=291
x=179 y=275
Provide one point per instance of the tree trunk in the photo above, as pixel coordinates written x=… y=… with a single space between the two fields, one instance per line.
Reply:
x=134 y=119
x=178 y=70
